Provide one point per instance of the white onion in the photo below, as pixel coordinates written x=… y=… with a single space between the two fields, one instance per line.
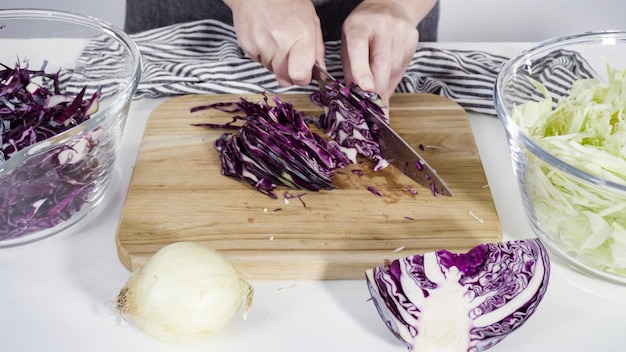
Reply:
x=184 y=293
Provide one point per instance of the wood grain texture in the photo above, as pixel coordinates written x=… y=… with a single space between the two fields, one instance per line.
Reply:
x=178 y=194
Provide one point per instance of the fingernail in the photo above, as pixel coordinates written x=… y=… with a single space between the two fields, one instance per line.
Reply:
x=366 y=83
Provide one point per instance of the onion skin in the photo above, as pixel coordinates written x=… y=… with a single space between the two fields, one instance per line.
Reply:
x=184 y=293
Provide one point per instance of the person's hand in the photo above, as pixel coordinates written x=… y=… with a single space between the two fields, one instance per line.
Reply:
x=379 y=39
x=284 y=35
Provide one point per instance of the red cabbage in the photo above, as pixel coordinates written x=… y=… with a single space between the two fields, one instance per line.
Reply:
x=374 y=191
x=441 y=301
x=32 y=111
x=274 y=146
x=343 y=119
x=46 y=188
x=287 y=196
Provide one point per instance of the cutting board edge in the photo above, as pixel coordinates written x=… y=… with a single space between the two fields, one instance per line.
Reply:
x=329 y=265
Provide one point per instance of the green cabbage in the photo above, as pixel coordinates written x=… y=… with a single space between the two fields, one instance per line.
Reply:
x=587 y=130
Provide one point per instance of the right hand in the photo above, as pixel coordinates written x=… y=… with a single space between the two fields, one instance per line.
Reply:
x=284 y=35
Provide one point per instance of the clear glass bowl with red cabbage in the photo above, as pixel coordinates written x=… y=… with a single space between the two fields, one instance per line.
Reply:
x=61 y=121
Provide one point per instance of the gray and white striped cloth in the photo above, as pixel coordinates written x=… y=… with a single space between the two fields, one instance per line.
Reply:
x=203 y=57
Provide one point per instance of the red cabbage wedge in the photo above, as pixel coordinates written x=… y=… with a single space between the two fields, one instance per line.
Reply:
x=447 y=302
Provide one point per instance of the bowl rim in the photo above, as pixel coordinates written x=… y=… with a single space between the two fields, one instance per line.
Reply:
x=522 y=138
x=125 y=94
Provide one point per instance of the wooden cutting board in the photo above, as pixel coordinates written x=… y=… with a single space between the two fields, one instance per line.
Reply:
x=178 y=194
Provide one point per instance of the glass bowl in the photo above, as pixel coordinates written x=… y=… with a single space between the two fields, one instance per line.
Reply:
x=572 y=202
x=50 y=185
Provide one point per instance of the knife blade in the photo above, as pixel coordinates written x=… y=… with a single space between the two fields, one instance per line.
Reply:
x=393 y=147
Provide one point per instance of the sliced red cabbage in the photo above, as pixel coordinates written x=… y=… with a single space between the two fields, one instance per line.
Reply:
x=274 y=146
x=343 y=119
x=46 y=188
x=33 y=108
x=447 y=302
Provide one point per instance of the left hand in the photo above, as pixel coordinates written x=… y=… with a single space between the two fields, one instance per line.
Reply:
x=379 y=39
x=284 y=35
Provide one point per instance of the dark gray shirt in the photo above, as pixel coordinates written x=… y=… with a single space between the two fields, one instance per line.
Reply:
x=142 y=15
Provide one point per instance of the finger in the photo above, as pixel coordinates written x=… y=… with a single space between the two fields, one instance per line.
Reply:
x=410 y=47
x=265 y=57
x=266 y=61
x=279 y=66
x=406 y=48
x=381 y=63
x=300 y=61
x=356 y=58
x=320 y=48
x=251 y=50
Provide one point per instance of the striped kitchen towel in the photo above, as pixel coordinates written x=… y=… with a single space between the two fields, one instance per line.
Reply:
x=203 y=57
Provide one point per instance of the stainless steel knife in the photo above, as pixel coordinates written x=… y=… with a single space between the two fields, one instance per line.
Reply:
x=394 y=148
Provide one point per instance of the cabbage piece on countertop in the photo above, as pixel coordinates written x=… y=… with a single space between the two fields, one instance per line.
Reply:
x=442 y=301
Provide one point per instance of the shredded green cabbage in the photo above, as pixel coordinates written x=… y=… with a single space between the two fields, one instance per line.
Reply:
x=587 y=130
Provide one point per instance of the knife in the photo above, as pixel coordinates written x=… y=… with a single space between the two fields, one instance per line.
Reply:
x=394 y=148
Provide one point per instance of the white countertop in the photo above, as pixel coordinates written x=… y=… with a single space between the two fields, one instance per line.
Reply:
x=57 y=294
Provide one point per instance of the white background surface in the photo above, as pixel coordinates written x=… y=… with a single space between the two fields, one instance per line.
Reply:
x=461 y=20
x=56 y=294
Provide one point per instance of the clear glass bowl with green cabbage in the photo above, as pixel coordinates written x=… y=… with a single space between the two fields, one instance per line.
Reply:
x=563 y=105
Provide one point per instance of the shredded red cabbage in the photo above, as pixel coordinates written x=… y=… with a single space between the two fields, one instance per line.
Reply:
x=410 y=190
x=274 y=146
x=358 y=172
x=374 y=191
x=287 y=195
x=343 y=119
x=32 y=111
x=47 y=188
